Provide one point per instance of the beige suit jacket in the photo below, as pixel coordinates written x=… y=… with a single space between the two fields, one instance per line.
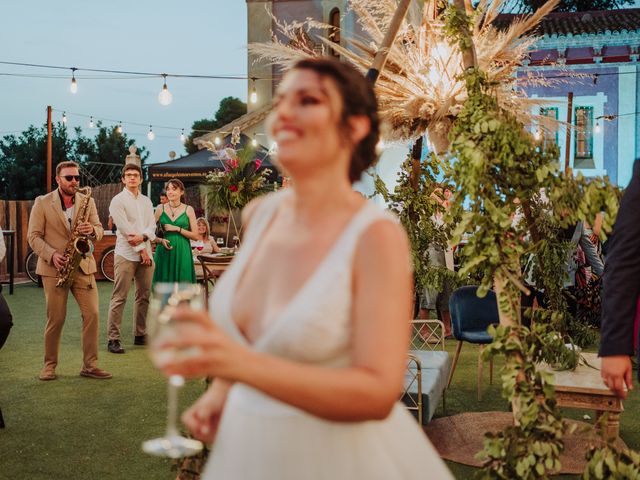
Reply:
x=49 y=232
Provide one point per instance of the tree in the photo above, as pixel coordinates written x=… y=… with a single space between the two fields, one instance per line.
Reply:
x=108 y=147
x=23 y=161
x=229 y=109
x=573 y=5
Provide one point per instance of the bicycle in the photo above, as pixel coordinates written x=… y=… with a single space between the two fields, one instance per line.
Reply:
x=106 y=265
x=30 y=264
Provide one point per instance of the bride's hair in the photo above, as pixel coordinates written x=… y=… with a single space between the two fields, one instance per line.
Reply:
x=357 y=98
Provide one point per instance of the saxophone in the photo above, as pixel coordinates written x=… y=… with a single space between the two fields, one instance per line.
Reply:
x=79 y=246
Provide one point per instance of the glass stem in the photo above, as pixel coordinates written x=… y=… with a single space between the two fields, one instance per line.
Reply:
x=174 y=385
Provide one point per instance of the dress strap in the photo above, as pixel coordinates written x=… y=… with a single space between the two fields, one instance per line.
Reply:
x=368 y=215
x=260 y=219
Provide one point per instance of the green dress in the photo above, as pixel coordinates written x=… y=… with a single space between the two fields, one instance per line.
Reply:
x=175 y=265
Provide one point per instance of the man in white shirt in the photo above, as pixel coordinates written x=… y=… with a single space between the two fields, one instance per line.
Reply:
x=133 y=213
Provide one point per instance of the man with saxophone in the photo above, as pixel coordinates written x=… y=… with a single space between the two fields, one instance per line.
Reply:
x=56 y=221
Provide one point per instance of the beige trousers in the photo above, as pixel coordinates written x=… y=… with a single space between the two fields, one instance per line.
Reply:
x=85 y=292
x=127 y=271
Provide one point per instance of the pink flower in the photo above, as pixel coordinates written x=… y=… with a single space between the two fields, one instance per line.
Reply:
x=258 y=163
x=233 y=163
x=233 y=188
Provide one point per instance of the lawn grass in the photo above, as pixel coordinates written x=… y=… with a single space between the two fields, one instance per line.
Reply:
x=83 y=429
x=75 y=427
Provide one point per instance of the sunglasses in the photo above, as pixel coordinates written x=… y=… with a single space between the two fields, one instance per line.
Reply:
x=68 y=178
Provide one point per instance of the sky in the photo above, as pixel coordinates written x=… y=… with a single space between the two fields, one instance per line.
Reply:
x=204 y=37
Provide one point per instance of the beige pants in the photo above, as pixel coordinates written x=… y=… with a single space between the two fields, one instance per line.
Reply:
x=85 y=292
x=127 y=271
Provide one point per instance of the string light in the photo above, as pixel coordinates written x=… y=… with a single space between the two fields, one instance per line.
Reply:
x=73 y=88
x=537 y=134
x=165 y=97
x=91 y=124
x=119 y=129
x=182 y=137
x=253 y=98
x=597 y=129
x=150 y=134
x=64 y=117
x=254 y=142
x=216 y=140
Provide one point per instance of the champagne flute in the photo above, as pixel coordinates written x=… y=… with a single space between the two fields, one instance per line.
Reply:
x=166 y=298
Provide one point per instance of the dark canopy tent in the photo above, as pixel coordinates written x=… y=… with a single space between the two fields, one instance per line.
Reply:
x=194 y=168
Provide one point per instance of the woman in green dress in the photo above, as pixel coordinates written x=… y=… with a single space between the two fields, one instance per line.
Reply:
x=179 y=223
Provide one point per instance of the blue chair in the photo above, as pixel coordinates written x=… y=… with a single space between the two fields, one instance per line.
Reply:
x=470 y=319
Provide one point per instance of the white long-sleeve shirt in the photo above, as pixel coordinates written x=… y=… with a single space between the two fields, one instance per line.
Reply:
x=133 y=215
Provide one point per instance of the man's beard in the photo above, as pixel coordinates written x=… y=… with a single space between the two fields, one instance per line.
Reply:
x=70 y=190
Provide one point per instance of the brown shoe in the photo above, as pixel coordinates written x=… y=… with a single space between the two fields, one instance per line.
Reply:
x=47 y=373
x=96 y=373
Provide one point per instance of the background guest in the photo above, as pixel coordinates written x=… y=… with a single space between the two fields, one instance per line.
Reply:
x=133 y=212
x=205 y=242
x=179 y=223
x=620 y=292
x=5 y=313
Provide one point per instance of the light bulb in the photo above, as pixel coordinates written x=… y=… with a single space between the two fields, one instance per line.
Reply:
x=182 y=137
x=73 y=88
x=119 y=129
x=537 y=134
x=253 y=98
x=64 y=117
x=91 y=125
x=254 y=142
x=150 y=134
x=165 y=97
x=597 y=129
x=216 y=140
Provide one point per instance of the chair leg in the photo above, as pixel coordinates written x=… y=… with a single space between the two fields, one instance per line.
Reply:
x=480 y=372
x=1 y=419
x=455 y=362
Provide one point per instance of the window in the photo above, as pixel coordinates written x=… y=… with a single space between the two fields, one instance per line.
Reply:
x=583 y=156
x=549 y=125
x=334 y=30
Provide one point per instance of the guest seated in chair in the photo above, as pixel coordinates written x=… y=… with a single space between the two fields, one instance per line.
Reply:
x=203 y=245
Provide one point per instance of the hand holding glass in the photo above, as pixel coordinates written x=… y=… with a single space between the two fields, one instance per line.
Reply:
x=167 y=297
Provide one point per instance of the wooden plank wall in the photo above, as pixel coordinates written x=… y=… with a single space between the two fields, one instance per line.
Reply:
x=14 y=215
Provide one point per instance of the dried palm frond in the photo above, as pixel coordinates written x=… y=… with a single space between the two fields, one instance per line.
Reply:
x=420 y=88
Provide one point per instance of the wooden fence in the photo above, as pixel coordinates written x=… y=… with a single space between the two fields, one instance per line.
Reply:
x=14 y=215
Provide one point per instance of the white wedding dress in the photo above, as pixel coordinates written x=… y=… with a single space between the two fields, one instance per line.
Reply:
x=262 y=438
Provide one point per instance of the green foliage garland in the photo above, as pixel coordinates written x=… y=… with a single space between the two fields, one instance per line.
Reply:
x=416 y=200
x=503 y=172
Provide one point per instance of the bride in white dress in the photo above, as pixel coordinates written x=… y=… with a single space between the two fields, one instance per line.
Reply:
x=311 y=322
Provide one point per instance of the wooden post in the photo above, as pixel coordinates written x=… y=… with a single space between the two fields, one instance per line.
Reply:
x=383 y=50
x=49 y=149
x=567 y=145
